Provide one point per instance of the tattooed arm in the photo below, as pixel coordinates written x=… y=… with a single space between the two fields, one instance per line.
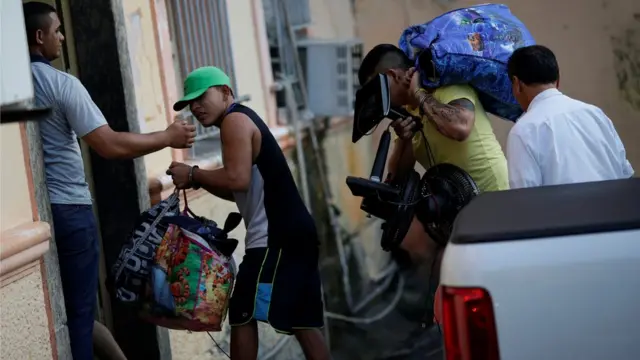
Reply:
x=453 y=120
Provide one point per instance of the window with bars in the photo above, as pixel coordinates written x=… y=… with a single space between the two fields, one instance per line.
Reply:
x=200 y=30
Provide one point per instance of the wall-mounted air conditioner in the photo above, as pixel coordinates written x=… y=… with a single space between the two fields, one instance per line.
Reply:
x=331 y=74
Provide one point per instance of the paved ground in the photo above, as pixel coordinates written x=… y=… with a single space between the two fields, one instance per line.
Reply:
x=400 y=335
x=200 y=346
x=397 y=336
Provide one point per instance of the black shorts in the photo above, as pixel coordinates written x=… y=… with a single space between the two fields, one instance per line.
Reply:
x=280 y=287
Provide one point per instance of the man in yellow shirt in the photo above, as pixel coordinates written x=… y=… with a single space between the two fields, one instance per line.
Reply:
x=455 y=125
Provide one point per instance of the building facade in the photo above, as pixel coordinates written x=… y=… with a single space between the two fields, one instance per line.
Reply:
x=25 y=329
x=146 y=48
x=132 y=56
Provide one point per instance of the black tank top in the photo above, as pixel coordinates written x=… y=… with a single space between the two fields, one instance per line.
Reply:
x=273 y=192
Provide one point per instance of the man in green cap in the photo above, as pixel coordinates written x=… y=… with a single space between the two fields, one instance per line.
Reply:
x=281 y=241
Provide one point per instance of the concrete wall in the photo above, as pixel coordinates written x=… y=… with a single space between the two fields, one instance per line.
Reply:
x=251 y=56
x=343 y=158
x=331 y=19
x=26 y=324
x=24 y=329
x=597 y=44
x=15 y=207
x=145 y=65
x=334 y=19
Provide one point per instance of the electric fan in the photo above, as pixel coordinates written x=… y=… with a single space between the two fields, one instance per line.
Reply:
x=435 y=199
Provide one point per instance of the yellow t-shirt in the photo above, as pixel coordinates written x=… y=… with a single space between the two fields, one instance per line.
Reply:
x=480 y=154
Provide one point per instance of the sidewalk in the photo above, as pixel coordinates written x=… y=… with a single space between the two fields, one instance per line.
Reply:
x=397 y=336
x=199 y=346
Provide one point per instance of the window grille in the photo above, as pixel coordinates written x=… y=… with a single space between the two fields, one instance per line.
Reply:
x=201 y=38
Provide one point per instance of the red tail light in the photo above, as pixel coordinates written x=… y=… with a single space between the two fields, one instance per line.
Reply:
x=469 y=324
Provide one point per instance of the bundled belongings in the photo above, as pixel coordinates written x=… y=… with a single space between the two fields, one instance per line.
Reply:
x=470 y=46
x=177 y=269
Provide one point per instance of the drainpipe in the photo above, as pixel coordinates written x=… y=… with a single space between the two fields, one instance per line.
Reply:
x=295 y=118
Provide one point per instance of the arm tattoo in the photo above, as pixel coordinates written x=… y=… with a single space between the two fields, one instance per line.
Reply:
x=453 y=120
x=443 y=114
x=463 y=103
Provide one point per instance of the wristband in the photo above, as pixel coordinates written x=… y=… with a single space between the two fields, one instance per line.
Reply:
x=194 y=185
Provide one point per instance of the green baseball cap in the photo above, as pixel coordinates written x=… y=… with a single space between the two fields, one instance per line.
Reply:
x=198 y=81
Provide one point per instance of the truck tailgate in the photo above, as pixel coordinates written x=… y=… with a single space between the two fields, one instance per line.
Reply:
x=575 y=295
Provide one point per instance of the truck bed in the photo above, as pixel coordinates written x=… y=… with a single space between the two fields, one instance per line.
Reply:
x=562 y=210
x=562 y=267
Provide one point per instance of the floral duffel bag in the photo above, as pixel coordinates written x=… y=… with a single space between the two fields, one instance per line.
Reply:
x=187 y=281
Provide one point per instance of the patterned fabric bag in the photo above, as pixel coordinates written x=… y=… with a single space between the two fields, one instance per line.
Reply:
x=192 y=278
x=470 y=46
x=178 y=268
x=131 y=271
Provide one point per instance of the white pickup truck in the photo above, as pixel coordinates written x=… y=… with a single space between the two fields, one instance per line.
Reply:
x=549 y=273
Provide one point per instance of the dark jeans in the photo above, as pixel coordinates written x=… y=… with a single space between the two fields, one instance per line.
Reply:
x=76 y=236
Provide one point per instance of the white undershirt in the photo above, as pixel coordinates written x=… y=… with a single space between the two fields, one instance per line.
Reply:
x=560 y=140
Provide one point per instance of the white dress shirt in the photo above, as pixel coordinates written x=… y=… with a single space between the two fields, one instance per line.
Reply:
x=560 y=140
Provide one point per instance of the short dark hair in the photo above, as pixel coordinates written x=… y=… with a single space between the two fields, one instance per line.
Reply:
x=36 y=17
x=381 y=58
x=533 y=65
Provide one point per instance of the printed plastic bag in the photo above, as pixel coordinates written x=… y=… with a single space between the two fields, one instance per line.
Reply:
x=191 y=279
x=470 y=46
x=131 y=270
x=177 y=269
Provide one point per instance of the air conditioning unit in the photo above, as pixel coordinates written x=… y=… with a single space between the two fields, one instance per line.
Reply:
x=331 y=74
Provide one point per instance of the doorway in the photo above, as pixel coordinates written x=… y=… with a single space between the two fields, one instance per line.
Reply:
x=68 y=63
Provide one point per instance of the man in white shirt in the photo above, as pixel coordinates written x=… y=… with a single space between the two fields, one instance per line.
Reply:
x=558 y=140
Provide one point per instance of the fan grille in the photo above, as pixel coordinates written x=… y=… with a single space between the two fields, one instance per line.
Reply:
x=451 y=188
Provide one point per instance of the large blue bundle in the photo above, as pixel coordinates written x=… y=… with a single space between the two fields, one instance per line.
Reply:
x=470 y=46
